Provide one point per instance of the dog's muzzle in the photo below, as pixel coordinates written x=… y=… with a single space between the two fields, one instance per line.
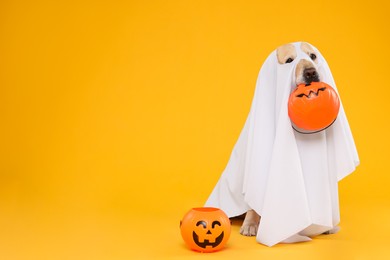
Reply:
x=310 y=75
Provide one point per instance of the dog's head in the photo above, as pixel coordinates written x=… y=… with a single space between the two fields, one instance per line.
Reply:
x=306 y=63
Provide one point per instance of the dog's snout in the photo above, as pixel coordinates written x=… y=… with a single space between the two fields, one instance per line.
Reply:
x=310 y=75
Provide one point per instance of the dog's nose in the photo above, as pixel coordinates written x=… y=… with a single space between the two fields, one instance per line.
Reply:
x=310 y=75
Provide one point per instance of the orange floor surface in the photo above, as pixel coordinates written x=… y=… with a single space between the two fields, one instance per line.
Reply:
x=364 y=234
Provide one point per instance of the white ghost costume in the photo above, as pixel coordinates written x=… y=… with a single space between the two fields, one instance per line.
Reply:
x=289 y=179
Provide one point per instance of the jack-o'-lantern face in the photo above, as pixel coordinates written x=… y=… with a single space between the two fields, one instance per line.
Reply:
x=205 y=229
x=313 y=107
x=205 y=235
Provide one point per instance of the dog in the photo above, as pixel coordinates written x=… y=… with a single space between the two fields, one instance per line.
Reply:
x=285 y=181
x=305 y=73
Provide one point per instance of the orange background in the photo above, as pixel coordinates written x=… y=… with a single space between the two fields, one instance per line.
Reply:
x=119 y=116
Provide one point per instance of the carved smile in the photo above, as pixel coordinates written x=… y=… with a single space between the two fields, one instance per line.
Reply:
x=311 y=93
x=206 y=242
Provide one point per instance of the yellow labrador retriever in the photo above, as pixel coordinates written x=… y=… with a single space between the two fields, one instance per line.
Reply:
x=305 y=72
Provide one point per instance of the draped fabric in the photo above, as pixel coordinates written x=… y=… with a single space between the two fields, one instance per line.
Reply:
x=288 y=178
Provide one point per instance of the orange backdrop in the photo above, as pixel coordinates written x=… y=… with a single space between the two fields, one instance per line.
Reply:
x=119 y=116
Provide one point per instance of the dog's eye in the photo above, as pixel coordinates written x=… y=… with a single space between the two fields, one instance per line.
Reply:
x=289 y=60
x=313 y=56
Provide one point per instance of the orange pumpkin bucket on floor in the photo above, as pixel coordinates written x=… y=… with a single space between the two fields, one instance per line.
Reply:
x=313 y=107
x=205 y=229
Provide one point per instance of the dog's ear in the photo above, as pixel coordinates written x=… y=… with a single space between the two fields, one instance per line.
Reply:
x=310 y=51
x=286 y=53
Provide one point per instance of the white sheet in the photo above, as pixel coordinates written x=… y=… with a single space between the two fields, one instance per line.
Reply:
x=289 y=178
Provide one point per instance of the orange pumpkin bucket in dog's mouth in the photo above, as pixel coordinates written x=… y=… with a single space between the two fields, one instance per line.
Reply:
x=313 y=107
